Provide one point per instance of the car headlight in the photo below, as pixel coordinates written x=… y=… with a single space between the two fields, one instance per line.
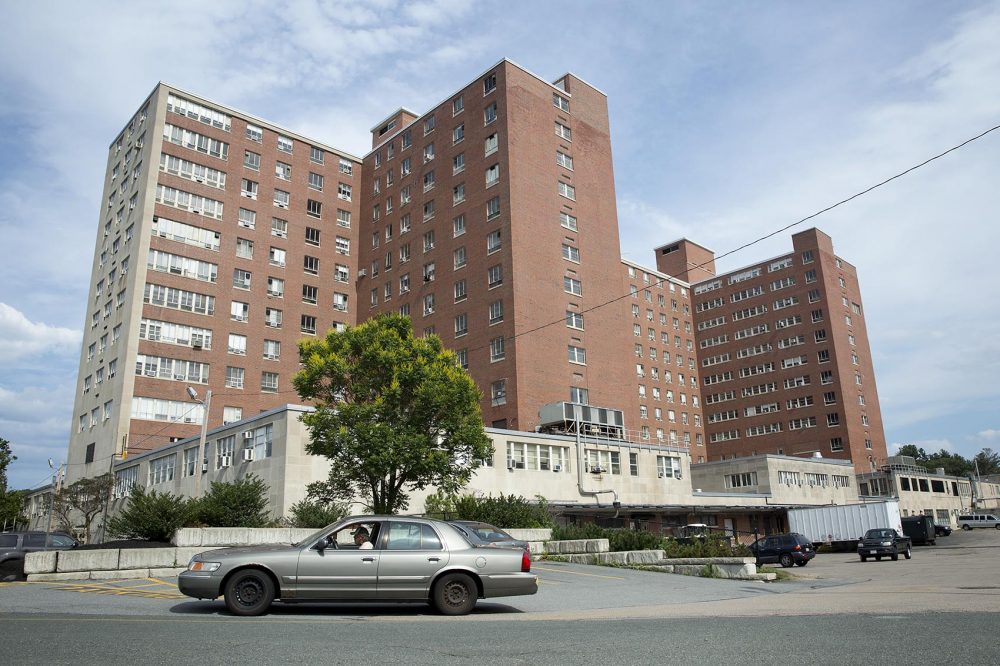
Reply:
x=886 y=543
x=203 y=566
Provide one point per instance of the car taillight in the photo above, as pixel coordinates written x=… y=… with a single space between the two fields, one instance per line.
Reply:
x=526 y=561
x=797 y=547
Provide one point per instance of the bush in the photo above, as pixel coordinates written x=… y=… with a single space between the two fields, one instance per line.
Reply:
x=619 y=539
x=716 y=545
x=240 y=503
x=504 y=511
x=153 y=516
x=314 y=514
x=440 y=505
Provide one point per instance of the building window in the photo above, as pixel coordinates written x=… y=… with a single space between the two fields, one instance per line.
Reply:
x=308 y=325
x=494 y=275
x=491 y=144
x=571 y=253
x=496 y=312
x=579 y=395
x=234 y=377
x=575 y=320
x=497 y=349
x=459 y=258
x=572 y=286
x=490 y=113
x=567 y=190
x=461 y=325
x=498 y=393
x=577 y=355
x=489 y=83
x=269 y=382
x=493 y=208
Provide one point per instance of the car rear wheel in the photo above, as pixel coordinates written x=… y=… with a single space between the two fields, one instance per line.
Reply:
x=249 y=592
x=455 y=594
x=786 y=560
x=906 y=553
x=966 y=528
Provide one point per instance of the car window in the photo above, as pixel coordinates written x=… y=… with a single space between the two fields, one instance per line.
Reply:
x=8 y=541
x=34 y=541
x=412 y=536
x=60 y=541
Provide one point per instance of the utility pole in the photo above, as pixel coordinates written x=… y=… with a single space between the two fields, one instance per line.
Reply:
x=199 y=468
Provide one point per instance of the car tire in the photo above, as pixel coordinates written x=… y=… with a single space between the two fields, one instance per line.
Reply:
x=966 y=528
x=802 y=563
x=249 y=592
x=455 y=594
x=878 y=558
x=907 y=554
x=998 y=526
x=785 y=560
x=895 y=555
x=864 y=558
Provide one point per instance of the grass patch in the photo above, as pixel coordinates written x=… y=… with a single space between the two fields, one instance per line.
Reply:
x=780 y=573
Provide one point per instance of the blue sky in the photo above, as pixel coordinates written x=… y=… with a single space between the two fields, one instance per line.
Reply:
x=728 y=120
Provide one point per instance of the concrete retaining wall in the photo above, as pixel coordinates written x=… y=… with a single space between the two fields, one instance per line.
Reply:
x=236 y=536
x=541 y=534
x=107 y=564
x=573 y=546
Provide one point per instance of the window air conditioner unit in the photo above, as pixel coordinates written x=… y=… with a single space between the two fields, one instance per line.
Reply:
x=677 y=474
x=247 y=455
x=511 y=464
x=362 y=272
x=226 y=461
x=204 y=468
x=248 y=434
x=596 y=469
x=661 y=475
x=557 y=468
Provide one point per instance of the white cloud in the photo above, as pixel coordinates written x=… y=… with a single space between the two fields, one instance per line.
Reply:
x=24 y=339
x=928 y=445
x=989 y=434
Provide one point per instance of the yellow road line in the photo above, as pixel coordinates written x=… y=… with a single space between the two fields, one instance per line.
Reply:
x=578 y=573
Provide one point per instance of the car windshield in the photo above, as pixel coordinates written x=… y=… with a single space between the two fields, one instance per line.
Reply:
x=880 y=534
x=487 y=532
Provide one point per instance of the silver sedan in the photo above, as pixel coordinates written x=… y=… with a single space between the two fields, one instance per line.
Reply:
x=363 y=558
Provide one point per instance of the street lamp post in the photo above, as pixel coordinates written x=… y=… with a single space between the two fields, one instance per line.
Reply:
x=199 y=466
x=52 y=497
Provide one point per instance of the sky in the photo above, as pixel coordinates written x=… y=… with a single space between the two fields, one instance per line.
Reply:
x=729 y=120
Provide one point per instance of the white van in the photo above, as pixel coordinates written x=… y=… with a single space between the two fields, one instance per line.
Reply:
x=970 y=520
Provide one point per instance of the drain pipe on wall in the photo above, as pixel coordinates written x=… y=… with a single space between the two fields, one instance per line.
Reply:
x=579 y=477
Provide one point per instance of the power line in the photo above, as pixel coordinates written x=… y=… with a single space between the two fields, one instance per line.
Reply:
x=771 y=234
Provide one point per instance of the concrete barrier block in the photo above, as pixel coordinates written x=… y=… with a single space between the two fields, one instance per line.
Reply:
x=54 y=577
x=597 y=545
x=183 y=555
x=40 y=562
x=187 y=536
x=166 y=572
x=267 y=535
x=643 y=556
x=87 y=560
x=225 y=536
x=297 y=534
x=119 y=574
x=145 y=558
x=574 y=546
x=536 y=547
x=539 y=534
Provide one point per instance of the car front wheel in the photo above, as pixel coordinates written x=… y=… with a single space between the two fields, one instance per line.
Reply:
x=786 y=560
x=906 y=553
x=966 y=528
x=894 y=556
x=455 y=594
x=249 y=592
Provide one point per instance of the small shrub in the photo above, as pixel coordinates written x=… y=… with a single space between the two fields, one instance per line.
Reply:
x=504 y=511
x=710 y=571
x=440 y=505
x=618 y=539
x=153 y=516
x=315 y=514
x=240 y=503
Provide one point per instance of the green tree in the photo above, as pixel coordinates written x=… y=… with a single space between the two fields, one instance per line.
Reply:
x=6 y=458
x=153 y=516
x=953 y=463
x=394 y=413
x=912 y=451
x=240 y=503
x=78 y=506
x=988 y=462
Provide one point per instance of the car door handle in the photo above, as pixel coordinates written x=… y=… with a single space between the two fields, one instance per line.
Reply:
x=367 y=559
x=433 y=559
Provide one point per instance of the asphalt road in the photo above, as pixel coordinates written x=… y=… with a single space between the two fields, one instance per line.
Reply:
x=941 y=606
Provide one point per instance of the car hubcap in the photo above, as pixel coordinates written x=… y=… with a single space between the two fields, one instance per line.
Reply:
x=455 y=594
x=249 y=592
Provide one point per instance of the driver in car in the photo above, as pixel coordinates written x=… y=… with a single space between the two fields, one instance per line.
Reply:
x=361 y=539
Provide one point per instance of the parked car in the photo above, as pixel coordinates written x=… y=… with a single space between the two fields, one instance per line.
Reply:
x=884 y=541
x=487 y=534
x=14 y=545
x=363 y=558
x=973 y=520
x=785 y=549
x=920 y=529
x=942 y=530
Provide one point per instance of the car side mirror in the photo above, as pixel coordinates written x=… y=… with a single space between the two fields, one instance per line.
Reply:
x=321 y=545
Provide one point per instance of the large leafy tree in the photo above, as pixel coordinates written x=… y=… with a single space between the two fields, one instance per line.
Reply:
x=987 y=462
x=394 y=413
x=78 y=506
x=11 y=502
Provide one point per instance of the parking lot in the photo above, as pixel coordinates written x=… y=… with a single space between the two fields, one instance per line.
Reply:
x=961 y=573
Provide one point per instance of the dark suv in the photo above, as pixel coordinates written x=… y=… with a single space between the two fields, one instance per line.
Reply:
x=13 y=546
x=785 y=549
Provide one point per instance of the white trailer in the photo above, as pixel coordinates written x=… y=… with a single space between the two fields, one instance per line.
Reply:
x=842 y=525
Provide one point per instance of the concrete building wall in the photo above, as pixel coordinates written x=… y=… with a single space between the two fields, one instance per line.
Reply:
x=788 y=480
